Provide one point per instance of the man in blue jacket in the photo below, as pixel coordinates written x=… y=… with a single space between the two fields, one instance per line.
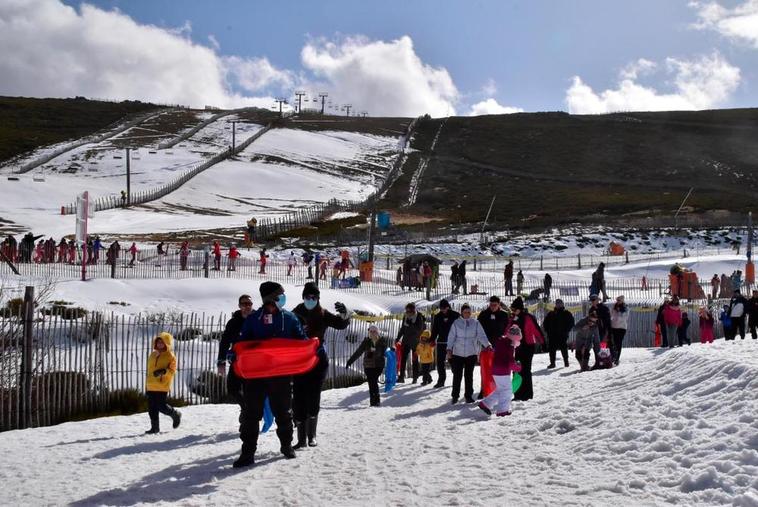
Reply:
x=270 y=321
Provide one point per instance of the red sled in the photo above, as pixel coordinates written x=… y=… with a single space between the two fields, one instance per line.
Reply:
x=486 y=357
x=399 y=356
x=274 y=357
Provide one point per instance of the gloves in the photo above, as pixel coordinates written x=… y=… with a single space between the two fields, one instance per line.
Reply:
x=341 y=308
x=159 y=373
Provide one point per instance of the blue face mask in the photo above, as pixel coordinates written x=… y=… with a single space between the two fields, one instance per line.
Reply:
x=281 y=301
x=310 y=304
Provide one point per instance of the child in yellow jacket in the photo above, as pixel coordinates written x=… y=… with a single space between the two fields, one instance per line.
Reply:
x=161 y=366
x=425 y=353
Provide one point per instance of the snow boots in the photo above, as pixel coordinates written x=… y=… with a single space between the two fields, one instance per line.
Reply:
x=154 y=426
x=176 y=418
x=301 y=430
x=484 y=408
x=312 y=424
x=306 y=430
x=246 y=459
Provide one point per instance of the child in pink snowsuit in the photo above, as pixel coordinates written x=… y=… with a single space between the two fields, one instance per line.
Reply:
x=502 y=365
x=706 y=325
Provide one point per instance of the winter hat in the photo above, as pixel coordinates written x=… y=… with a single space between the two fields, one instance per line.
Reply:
x=514 y=330
x=410 y=306
x=269 y=291
x=559 y=302
x=426 y=333
x=372 y=327
x=444 y=304
x=518 y=304
x=311 y=289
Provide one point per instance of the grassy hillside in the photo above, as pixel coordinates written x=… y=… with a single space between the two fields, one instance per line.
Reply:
x=548 y=168
x=27 y=123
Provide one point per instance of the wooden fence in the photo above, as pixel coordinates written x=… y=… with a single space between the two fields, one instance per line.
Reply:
x=55 y=368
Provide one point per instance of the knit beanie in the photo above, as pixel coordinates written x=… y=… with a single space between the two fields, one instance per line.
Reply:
x=269 y=291
x=518 y=304
x=311 y=289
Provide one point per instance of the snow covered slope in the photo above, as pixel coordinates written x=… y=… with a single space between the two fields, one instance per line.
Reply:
x=664 y=428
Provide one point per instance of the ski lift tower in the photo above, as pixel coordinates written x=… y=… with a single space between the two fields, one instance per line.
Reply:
x=323 y=96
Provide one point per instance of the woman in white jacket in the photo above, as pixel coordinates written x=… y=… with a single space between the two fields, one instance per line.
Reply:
x=619 y=323
x=465 y=340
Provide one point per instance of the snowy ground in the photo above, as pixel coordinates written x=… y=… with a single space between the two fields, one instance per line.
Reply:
x=664 y=428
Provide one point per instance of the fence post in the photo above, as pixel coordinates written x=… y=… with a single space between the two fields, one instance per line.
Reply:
x=26 y=360
x=579 y=261
x=540 y=263
x=206 y=259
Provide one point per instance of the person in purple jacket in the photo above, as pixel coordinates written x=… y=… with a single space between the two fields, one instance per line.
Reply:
x=503 y=364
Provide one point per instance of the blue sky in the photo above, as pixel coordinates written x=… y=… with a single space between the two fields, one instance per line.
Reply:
x=529 y=50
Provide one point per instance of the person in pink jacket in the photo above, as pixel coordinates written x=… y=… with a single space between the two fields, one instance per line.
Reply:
x=503 y=364
x=672 y=318
x=706 y=325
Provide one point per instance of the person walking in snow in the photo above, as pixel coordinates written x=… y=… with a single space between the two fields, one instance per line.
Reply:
x=263 y=258
x=291 y=263
x=216 y=256
x=531 y=337
x=161 y=367
x=672 y=317
x=441 y=324
x=547 y=285
x=72 y=251
x=557 y=324
x=425 y=353
x=306 y=402
x=184 y=252
x=738 y=307
x=503 y=364
x=62 y=251
x=97 y=245
x=519 y=282
x=508 y=276
x=410 y=330
x=682 y=331
x=133 y=251
x=706 y=321
x=587 y=338
x=270 y=320
x=494 y=321
x=715 y=284
x=464 y=342
x=604 y=316
x=228 y=338
x=233 y=255
x=373 y=348
x=752 y=313
x=619 y=324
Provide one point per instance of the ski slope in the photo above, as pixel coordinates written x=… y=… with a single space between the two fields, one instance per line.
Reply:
x=664 y=428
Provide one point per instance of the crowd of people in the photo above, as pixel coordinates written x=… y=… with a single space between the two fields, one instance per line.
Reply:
x=450 y=339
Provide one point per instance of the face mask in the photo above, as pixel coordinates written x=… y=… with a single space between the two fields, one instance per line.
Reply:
x=281 y=301
x=310 y=304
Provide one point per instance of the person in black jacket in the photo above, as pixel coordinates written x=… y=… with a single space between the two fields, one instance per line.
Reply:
x=604 y=317
x=230 y=336
x=662 y=323
x=306 y=401
x=373 y=348
x=752 y=313
x=441 y=324
x=494 y=321
x=557 y=324
x=410 y=330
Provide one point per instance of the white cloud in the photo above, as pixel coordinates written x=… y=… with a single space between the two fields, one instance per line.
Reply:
x=256 y=74
x=491 y=106
x=639 y=68
x=214 y=42
x=50 y=49
x=384 y=78
x=739 y=24
x=699 y=84
x=489 y=88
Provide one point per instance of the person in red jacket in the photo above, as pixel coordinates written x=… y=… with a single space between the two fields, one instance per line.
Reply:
x=233 y=254
x=133 y=250
x=503 y=364
x=216 y=256
x=531 y=337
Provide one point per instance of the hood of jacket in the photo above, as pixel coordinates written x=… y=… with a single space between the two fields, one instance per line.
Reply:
x=167 y=338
